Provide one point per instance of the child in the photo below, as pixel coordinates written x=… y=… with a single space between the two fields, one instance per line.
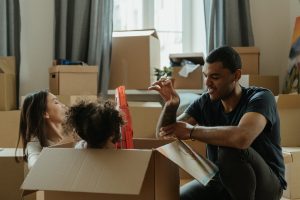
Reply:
x=97 y=123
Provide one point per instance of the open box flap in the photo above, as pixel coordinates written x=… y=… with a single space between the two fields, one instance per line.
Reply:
x=197 y=166
x=106 y=171
x=133 y=33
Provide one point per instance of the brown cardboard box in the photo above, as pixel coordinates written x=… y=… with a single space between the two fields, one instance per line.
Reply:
x=144 y=117
x=9 y=123
x=194 y=80
x=12 y=174
x=292 y=174
x=99 y=173
x=289 y=112
x=250 y=59
x=7 y=83
x=269 y=82
x=135 y=54
x=73 y=80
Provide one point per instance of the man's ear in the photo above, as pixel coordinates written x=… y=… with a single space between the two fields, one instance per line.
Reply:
x=237 y=74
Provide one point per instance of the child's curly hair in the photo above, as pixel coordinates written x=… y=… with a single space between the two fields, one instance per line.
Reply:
x=95 y=122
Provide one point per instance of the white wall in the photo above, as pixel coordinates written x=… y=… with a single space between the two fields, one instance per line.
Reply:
x=37 y=21
x=272 y=20
x=273 y=24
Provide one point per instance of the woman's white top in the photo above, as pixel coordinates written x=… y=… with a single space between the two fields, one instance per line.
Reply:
x=82 y=144
x=33 y=151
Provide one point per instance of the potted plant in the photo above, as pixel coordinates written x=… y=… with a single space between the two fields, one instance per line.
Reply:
x=165 y=71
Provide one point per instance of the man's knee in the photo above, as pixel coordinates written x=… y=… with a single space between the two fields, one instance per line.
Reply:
x=229 y=158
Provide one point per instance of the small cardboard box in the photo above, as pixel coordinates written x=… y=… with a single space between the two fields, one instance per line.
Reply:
x=289 y=112
x=105 y=173
x=194 y=80
x=7 y=83
x=269 y=82
x=9 y=123
x=250 y=59
x=12 y=174
x=292 y=175
x=73 y=80
x=135 y=54
x=144 y=117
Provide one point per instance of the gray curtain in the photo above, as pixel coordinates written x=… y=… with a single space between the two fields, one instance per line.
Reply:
x=228 y=22
x=10 y=29
x=83 y=32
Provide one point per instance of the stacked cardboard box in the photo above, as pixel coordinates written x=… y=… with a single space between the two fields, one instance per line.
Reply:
x=7 y=83
x=9 y=123
x=73 y=80
x=194 y=78
x=135 y=54
x=251 y=73
x=289 y=112
x=12 y=174
x=292 y=176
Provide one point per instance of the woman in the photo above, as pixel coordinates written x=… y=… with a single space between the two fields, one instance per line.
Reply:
x=97 y=123
x=42 y=116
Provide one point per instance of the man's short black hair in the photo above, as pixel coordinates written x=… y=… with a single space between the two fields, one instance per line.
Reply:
x=227 y=56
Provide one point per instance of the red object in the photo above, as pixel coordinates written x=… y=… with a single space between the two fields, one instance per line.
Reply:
x=126 y=130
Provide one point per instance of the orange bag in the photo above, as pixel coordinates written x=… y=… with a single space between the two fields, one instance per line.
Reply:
x=126 y=130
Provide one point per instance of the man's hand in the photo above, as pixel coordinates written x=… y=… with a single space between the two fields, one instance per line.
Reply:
x=180 y=130
x=166 y=90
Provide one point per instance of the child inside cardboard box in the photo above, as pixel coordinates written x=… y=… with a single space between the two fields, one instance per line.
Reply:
x=97 y=123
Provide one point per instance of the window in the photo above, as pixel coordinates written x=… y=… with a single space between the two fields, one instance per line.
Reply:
x=179 y=23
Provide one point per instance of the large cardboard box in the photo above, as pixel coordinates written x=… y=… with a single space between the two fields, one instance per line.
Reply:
x=135 y=54
x=7 y=83
x=194 y=79
x=269 y=82
x=73 y=80
x=292 y=175
x=9 y=132
x=144 y=117
x=105 y=173
x=12 y=174
x=289 y=112
x=250 y=59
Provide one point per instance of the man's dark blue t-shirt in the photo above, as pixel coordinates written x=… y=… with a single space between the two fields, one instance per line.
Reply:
x=254 y=99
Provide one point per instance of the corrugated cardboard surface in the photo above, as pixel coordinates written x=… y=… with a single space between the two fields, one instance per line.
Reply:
x=200 y=168
x=73 y=80
x=135 y=54
x=289 y=112
x=99 y=173
x=12 y=174
x=144 y=117
x=9 y=131
x=193 y=81
x=269 y=82
x=250 y=59
x=7 y=83
x=292 y=174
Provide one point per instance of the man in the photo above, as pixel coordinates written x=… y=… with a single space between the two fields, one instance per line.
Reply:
x=240 y=126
